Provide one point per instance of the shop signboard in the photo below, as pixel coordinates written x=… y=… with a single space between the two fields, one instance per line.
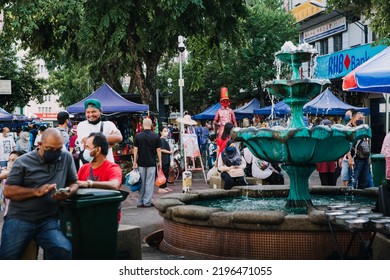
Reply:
x=339 y=64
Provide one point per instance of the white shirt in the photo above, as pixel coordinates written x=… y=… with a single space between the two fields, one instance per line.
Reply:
x=7 y=145
x=84 y=129
x=257 y=170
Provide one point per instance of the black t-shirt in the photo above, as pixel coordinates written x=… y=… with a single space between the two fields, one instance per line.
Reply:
x=166 y=158
x=147 y=143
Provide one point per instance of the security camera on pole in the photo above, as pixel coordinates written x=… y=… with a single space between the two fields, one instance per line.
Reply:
x=181 y=48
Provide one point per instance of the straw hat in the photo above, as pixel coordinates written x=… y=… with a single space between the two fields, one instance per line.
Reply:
x=186 y=120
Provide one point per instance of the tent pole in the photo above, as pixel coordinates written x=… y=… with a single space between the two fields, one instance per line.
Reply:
x=386 y=96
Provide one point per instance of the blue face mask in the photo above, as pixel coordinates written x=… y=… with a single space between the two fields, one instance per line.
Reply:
x=359 y=122
x=347 y=118
x=87 y=155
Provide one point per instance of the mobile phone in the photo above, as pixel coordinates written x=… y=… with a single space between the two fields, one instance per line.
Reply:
x=62 y=190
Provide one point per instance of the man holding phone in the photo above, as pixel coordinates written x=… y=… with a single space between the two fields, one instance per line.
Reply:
x=33 y=200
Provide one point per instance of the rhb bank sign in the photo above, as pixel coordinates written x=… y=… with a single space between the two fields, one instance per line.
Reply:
x=339 y=64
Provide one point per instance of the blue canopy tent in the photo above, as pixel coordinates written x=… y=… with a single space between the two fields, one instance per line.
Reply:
x=279 y=108
x=246 y=111
x=328 y=104
x=209 y=113
x=5 y=116
x=111 y=101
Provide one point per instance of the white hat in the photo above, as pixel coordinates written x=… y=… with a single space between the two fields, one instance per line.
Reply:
x=186 y=120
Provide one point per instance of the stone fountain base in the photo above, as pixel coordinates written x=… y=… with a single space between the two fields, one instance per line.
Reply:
x=199 y=232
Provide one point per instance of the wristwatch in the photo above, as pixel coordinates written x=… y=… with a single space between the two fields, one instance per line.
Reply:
x=90 y=183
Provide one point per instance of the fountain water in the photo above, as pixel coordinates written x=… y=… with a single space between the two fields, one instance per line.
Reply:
x=212 y=233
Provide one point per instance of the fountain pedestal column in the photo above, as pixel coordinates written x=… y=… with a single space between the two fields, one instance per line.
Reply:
x=299 y=184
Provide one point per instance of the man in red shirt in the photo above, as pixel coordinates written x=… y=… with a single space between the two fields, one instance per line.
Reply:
x=99 y=172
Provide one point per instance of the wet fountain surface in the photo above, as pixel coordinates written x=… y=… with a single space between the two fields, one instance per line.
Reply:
x=212 y=232
x=244 y=203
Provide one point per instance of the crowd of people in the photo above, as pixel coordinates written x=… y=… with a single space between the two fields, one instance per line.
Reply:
x=47 y=165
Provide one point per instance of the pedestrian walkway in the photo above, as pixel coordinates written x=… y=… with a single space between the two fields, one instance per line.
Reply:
x=149 y=220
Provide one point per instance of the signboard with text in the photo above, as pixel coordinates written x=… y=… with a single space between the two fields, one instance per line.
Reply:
x=339 y=64
x=326 y=29
x=305 y=10
x=5 y=87
x=46 y=115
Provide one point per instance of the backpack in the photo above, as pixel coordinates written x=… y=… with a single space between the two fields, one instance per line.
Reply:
x=362 y=149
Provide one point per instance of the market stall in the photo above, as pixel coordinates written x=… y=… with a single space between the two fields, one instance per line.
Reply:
x=328 y=104
x=125 y=114
x=246 y=111
x=209 y=113
x=5 y=116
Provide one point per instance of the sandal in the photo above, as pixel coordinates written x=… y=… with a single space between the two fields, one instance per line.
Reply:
x=162 y=191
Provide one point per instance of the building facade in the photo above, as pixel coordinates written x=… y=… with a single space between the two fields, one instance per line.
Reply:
x=343 y=42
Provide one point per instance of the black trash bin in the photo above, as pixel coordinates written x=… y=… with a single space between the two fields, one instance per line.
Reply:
x=378 y=163
x=90 y=222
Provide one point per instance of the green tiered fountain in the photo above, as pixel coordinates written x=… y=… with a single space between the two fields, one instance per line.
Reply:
x=298 y=147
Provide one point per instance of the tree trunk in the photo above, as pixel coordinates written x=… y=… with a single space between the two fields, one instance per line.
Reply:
x=137 y=71
x=151 y=62
x=139 y=79
x=261 y=95
x=111 y=78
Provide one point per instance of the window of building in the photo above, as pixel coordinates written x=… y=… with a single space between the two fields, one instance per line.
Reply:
x=324 y=47
x=338 y=43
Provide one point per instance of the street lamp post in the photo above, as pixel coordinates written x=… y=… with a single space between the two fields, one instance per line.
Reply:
x=166 y=99
x=361 y=26
x=181 y=48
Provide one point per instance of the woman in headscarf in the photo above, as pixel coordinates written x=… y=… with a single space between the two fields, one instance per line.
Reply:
x=23 y=144
x=231 y=164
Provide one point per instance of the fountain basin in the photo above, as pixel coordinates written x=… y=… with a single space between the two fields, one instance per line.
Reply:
x=211 y=233
x=300 y=145
x=297 y=90
x=294 y=56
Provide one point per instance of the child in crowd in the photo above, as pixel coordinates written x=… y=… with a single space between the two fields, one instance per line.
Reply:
x=3 y=176
x=212 y=150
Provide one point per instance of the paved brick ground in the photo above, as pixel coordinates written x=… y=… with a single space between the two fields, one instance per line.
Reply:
x=149 y=219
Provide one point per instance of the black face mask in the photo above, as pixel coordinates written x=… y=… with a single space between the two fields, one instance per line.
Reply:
x=95 y=122
x=359 y=122
x=51 y=156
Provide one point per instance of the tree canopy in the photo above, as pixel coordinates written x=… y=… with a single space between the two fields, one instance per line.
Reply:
x=376 y=11
x=22 y=71
x=117 y=38
x=243 y=65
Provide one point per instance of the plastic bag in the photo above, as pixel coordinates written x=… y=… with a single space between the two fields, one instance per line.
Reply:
x=133 y=177
x=213 y=171
x=133 y=180
x=160 y=179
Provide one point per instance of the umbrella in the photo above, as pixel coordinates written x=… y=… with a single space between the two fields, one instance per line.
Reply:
x=371 y=76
